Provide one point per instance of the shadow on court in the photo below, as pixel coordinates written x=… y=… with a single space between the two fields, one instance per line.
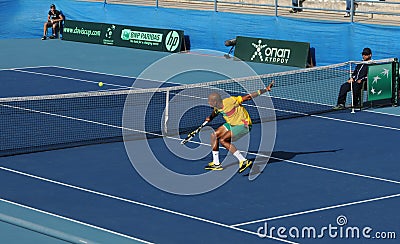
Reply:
x=262 y=159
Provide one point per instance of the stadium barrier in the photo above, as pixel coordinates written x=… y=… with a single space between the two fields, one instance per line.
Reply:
x=279 y=52
x=364 y=10
x=382 y=84
x=164 y=40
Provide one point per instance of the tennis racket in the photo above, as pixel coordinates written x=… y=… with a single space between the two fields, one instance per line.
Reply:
x=193 y=133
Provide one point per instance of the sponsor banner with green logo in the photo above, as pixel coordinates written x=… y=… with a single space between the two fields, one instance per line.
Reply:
x=143 y=38
x=268 y=51
x=125 y=36
x=380 y=82
x=82 y=31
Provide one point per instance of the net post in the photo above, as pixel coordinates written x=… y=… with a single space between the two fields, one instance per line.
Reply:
x=352 y=98
x=396 y=83
x=166 y=112
x=351 y=88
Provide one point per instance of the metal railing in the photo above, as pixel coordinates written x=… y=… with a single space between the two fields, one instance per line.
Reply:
x=359 y=10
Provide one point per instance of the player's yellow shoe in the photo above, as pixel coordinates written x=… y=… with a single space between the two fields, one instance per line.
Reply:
x=244 y=165
x=212 y=166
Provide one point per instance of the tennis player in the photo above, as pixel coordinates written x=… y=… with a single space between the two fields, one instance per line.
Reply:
x=238 y=123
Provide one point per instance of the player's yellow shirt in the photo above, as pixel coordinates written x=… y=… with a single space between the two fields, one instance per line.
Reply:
x=233 y=111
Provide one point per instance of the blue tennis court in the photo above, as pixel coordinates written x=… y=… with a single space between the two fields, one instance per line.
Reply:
x=309 y=181
x=324 y=169
x=87 y=163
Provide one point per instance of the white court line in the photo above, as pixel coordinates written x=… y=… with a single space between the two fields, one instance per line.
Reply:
x=28 y=67
x=94 y=72
x=142 y=204
x=74 y=221
x=319 y=209
x=109 y=74
x=332 y=170
x=355 y=122
x=384 y=113
x=69 y=78
x=82 y=70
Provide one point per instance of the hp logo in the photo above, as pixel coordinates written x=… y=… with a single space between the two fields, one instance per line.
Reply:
x=172 y=41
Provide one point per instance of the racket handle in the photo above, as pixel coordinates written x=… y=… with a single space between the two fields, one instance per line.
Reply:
x=193 y=133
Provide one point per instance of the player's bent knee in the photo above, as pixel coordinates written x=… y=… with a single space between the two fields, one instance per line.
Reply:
x=224 y=140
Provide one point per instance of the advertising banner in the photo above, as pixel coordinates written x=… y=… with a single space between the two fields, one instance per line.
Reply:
x=79 y=31
x=268 y=51
x=164 y=40
x=380 y=82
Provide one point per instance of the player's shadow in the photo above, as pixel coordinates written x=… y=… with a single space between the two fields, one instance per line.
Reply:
x=262 y=159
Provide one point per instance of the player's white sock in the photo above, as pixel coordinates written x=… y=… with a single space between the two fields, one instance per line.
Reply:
x=216 y=157
x=239 y=156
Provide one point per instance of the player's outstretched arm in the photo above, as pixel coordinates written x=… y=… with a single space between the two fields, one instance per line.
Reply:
x=258 y=93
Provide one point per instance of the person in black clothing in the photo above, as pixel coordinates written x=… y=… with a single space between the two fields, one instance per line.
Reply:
x=297 y=5
x=53 y=20
x=356 y=80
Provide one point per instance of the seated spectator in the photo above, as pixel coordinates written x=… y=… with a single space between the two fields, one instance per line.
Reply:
x=359 y=75
x=54 y=19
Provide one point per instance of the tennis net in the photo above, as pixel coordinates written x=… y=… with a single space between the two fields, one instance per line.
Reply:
x=41 y=123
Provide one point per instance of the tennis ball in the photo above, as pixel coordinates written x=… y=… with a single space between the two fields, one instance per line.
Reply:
x=100 y=83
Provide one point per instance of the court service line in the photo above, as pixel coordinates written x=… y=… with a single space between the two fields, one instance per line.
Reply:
x=142 y=204
x=335 y=170
x=74 y=221
x=109 y=74
x=93 y=72
x=27 y=67
x=319 y=209
x=69 y=78
x=355 y=122
x=382 y=113
x=323 y=168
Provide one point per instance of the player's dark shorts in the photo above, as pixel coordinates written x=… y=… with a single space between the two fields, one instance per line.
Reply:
x=238 y=131
x=49 y=24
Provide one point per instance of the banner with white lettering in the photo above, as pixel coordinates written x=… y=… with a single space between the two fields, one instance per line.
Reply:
x=268 y=51
x=164 y=40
